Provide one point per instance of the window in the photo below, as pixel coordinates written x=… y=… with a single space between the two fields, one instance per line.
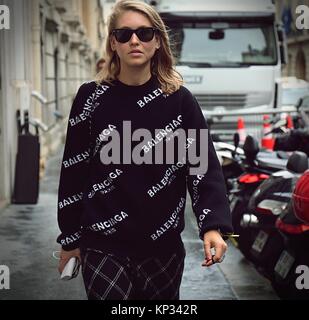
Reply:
x=233 y=45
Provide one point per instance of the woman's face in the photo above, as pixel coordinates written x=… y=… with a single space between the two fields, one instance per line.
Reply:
x=134 y=53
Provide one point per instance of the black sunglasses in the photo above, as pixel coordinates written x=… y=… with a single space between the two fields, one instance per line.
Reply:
x=143 y=34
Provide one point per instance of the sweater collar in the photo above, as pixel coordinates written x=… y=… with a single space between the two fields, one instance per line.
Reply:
x=148 y=84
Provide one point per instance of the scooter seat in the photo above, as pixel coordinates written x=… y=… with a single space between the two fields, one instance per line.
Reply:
x=271 y=162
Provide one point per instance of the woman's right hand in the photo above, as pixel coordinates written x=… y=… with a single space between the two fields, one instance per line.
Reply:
x=65 y=256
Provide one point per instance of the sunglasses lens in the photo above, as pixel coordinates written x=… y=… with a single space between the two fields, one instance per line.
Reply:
x=123 y=35
x=143 y=34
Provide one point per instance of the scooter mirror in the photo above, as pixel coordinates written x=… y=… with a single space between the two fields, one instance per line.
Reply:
x=236 y=143
x=236 y=140
x=297 y=162
x=251 y=147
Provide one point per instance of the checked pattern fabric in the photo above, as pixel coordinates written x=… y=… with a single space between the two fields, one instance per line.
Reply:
x=110 y=277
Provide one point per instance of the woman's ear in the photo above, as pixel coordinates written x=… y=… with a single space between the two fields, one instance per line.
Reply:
x=158 y=43
x=112 y=43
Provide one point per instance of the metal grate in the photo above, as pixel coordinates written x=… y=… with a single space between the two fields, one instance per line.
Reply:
x=230 y=101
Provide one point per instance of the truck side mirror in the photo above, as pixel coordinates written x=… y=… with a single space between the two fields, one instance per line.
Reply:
x=283 y=55
x=282 y=46
x=299 y=103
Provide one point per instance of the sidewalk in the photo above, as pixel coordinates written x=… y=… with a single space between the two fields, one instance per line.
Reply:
x=27 y=240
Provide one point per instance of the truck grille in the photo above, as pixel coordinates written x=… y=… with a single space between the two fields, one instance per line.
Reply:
x=230 y=101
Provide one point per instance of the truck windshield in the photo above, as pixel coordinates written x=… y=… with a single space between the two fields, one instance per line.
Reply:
x=230 y=44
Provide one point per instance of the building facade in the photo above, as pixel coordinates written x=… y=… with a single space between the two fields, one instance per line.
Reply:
x=49 y=49
x=297 y=39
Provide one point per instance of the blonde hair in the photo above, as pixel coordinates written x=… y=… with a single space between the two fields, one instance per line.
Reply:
x=162 y=63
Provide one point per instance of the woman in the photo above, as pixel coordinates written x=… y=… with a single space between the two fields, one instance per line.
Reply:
x=123 y=219
x=100 y=64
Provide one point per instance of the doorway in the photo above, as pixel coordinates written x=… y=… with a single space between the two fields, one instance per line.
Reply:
x=300 y=68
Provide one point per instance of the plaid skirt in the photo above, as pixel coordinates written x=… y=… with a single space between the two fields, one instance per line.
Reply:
x=110 y=277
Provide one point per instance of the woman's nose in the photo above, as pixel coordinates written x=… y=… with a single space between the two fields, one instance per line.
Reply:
x=134 y=38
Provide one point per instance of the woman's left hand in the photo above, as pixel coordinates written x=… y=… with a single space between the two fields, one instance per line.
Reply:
x=213 y=239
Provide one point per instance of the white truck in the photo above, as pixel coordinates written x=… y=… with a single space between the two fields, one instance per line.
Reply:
x=229 y=53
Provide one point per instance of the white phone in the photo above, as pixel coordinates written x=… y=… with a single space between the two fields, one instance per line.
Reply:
x=70 y=270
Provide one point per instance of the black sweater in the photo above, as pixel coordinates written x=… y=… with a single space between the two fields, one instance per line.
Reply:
x=126 y=207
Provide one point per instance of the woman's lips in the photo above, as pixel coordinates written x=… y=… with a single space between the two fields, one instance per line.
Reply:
x=135 y=53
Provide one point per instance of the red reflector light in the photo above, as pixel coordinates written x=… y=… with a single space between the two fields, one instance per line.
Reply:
x=290 y=228
x=264 y=210
x=253 y=177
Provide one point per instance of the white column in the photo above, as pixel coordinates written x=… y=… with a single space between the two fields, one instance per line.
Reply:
x=36 y=107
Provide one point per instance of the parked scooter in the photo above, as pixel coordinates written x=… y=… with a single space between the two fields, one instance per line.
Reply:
x=256 y=169
x=233 y=158
x=229 y=156
x=291 y=270
x=236 y=161
x=269 y=200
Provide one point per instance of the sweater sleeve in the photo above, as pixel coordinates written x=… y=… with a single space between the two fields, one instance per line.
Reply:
x=207 y=188
x=74 y=169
